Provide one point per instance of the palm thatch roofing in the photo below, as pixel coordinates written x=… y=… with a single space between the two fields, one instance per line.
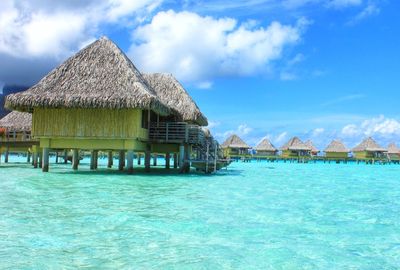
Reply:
x=311 y=145
x=295 y=144
x=172 y=93
x=98 y=76
x=393 y=149
x=235 y=142
x=336 y=146
x=17 y=121
x=266 y=145
x=369 y=145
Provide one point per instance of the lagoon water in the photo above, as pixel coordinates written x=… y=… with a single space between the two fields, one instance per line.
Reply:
x=251 y=216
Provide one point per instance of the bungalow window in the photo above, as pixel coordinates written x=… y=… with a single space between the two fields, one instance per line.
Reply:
x=145 y=119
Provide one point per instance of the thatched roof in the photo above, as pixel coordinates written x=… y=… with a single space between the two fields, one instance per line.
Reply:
x=17 y=121
x=368 y=145
x=295 y=144
x=172 y=93
x=235 y=142
x=311 y=145
x=336 y=146
x=98 y=76
x=393 y=149
x=266 y=145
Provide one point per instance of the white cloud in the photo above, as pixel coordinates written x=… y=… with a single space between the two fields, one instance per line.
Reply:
x=197 y=48
x=317 y=132
x=370 y=10
x=242 y=130
x=56 y=28
x=378 y=126
x=344 y=3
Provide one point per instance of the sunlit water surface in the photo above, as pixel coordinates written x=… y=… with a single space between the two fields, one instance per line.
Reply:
x=251 y=216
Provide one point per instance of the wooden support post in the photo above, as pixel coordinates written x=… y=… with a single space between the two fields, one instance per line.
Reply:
x=175 y=160
x=155 y=159
x=56 y=157
x=40 y=159
x=35 y=159
x=45 y=160
x=110 y=159
x=0 y=155
x=92 y=158
x=75 y=159
x=181 y=155
x=96 y=159
x=6 y=155
x=167 y=160
x=139 y=156
x=65 y=156
x=28 y=157
x=129 y=161
x=121 y=160
x=147 y=157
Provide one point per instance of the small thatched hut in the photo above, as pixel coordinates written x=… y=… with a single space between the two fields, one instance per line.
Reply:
x=295 y=148
x=393 y=152
x=98 y=100
x=336 y=150
x=16 y=126
x=15 y=133
x=266 y=149
x=314 y=149
x=235 y=147
x=369 y=149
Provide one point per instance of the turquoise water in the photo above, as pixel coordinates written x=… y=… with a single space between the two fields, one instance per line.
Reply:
x=251 y=216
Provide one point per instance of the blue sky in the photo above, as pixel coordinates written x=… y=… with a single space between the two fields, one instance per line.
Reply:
x=318 y=69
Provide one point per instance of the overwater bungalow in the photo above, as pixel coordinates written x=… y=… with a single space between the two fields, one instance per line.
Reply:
x=393 y=152
x=314 y=149
x=336 y=150
x=369 y=149
x=295 y=148
x=15 y=134
x=265 y=149
x=98 y=100
x=234 y=147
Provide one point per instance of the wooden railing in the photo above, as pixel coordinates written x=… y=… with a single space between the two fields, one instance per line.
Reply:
x=176 y=132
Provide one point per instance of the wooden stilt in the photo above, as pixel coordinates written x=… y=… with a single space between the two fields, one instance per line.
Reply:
x=35 y=159
x=110 y=159
x=96 y=159
x=45 y=160
x=155 y=160
x=28 y=157
x=6 y=155
x=181 y=155
x=139 y=157
x=175 y=160
x=40 y=159
x=147 y=157
x=129 y=161
x=56 y=157
x=167 y=160
x=75 y=159
x=92 y=157
x=121 y=160
x=65 y=156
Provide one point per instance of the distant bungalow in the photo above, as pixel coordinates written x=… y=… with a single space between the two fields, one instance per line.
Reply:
x=15 y=134
x=266 y=149
x=336 y=150
x=369 y=149
x=235 y=147
x=314 y=150
x=393 y=152
x=295 y=148
x=98 y=100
